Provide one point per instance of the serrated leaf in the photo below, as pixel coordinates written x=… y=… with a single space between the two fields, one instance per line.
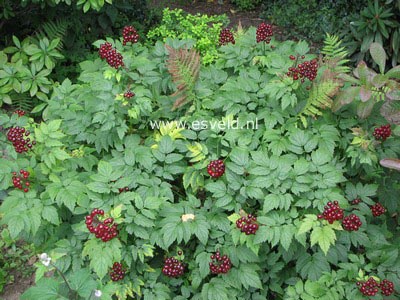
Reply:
x=203 y=260
x=239 y=156
x=325 y=237
x=218 y=188
x=248 y=276
x=50 y=214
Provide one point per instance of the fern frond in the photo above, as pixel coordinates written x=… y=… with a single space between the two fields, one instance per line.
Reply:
x=321 y=94
x=184 y=67
x=52 y=30
x=22 y=101
x=335 y=56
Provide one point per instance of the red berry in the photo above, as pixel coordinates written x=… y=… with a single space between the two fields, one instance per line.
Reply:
x=216 y=168
x=129 y=94
x=387 y=287
x=105 y=230
x=220 y=264
x=130 y=34
x=332 y=212
x=16 y=136
x=173 y=267
x=382 y=133
x=226 y=37
x=377 y=210
x=264 y=33
x=248 y=224
x=111 y=55
x=351 y=223
x=117 y=272
x=369 y=287
x=19 y=112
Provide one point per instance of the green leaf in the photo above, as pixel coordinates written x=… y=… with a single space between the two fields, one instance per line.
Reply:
x=240 y=156
x=287 y=234
x=378 y=55
x=203 y=260
x=99 y=187
x=82 y=282
x=102 y=255
x=302 y=48
x=50 y=214
x=166 y=145
x=105 y=169
x=218 y=188
x=212 y=291
x=315 y=289
x=45 y=289
x=261 y=235
x=201 y=231
x=248 y=276
x=16 y=225
x=325 y=237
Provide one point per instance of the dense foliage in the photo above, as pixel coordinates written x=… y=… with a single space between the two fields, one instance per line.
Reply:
x=75 y=27
x=311 y=19
x=159 y=177
x=203 y=29
x=377 y=22
x=246 y=4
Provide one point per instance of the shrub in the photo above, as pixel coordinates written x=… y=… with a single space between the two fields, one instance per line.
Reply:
x=246 y=4
x=203 y=29
x=377 y=23
x=311 y=19
x=180 y=196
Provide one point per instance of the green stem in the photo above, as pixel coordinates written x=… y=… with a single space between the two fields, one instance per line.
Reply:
x=63 y=277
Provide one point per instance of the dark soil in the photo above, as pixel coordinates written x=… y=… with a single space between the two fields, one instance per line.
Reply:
x=17 y=288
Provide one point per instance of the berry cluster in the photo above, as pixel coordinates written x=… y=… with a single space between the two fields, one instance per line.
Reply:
x=382 y=133
x=387 y=287
x=369 y=287
x=130 y=34
x=18 y=180
x=351 y=222
x=219 y=264
x=247 y=224
x=264 y=33
x=129 y=94
x=20 y=140
x=307 y=69
x=104 y=230
x=111 y=55
x=125 y=189
x=332 y=212
x=117 y=272
x=173 y=267
x=216 y=168
x=377 y=209
x=356 y=201
x=19 y=112
x=226 y=37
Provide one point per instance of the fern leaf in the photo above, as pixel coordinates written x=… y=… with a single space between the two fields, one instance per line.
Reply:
x=184 y=67
x=335 y=56
x=53 y=30
x=321 y=94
